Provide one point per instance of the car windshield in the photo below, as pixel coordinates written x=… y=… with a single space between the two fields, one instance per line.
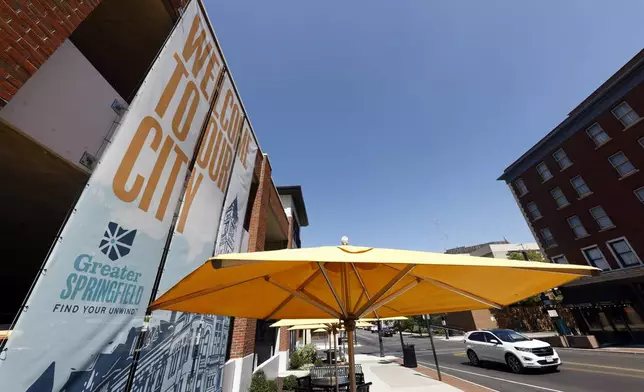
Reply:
x=511 y=336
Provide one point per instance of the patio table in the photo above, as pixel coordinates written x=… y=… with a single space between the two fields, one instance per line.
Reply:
x=328 y=383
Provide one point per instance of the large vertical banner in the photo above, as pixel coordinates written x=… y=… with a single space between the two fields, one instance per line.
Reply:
x=79 y=327
x=186 y=351
x=232 y=222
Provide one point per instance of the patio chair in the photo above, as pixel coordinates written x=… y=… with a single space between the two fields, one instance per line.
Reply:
x=363 y=387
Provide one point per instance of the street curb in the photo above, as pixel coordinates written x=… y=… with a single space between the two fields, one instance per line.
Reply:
x=400 y=361
x=598 y=350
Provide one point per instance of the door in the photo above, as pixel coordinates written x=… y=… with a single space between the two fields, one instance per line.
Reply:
x=476 y=342
x=494 y=348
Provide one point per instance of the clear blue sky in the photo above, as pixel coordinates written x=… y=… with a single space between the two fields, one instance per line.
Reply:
x=396 y=117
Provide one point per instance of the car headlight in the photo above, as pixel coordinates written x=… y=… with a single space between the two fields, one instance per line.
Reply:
x=528 y=350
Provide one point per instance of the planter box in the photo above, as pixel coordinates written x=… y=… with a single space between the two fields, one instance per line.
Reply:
x=555 y=341
x=586 y=341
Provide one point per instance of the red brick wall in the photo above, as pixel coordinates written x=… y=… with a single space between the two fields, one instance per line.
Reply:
x=284 y=340
x=615 y=195
x=30 y=31
x=243 y=343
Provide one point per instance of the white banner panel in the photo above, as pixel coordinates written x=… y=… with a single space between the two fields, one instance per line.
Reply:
x=192 y=244
x=82 y=319
x=229 y=239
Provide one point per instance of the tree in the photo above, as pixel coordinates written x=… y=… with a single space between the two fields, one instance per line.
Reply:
x=533 y=255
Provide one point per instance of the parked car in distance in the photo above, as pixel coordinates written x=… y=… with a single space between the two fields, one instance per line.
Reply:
x=374 y=328
x=387 y=331
x=510 y=347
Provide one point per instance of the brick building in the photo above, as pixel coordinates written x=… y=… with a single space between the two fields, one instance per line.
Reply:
x=68 y=71
x=581 y=191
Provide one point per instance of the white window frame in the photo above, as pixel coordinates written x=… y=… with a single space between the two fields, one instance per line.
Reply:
x=627 y=113
x=541 y=172
x=590 y=210
x=580 y=225
x=590 y=192
x=610 y=248
x=561 y=256
x=519 y=188
x=555 y=199
x=600 y=251
x=552 y=236
x=530 y=214
x=616 y=167
x=601 y=131
x=554 y=155
x=638 y=196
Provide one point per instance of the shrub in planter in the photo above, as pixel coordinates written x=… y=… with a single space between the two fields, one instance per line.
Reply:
x=296 y=360
x=259 y=383
x=289 y=383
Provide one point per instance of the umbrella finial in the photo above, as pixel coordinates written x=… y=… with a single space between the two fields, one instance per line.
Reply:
x=344 y=240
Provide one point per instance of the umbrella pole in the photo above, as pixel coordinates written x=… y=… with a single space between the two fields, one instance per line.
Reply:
x=350 y=327
x=431 y=340
x=335 y=361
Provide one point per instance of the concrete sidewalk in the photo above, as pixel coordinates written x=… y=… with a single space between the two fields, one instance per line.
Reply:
x=388 y=375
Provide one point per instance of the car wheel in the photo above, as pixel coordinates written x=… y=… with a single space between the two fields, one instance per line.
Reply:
x=514 y=363
x=474 y=359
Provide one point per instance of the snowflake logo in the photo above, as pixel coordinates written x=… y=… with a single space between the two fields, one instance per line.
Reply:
x=116 y=241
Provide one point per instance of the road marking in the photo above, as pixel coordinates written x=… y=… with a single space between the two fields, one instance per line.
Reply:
x=459 y=354
x=496 y=378
x=603 y=366
x=602 y=372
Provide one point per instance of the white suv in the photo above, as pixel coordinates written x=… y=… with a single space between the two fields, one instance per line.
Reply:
x=507 y=346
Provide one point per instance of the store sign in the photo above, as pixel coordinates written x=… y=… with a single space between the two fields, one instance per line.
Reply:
x=80 y=324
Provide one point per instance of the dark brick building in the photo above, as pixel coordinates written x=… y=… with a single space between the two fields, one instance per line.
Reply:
x=581 y=191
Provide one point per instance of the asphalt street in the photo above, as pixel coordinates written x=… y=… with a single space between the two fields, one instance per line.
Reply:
x=581 y=371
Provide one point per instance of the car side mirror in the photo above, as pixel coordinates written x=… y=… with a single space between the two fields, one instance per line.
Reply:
x=494 y=341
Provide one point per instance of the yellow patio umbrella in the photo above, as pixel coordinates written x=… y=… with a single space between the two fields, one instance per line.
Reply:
x=348 y=282
x=363 y=322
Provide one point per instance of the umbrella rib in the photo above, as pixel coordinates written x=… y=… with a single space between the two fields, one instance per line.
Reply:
x=392 y=296
x=345 y=288
x=364 y=289
x=401 y=274
x=306 y=297
x=328 y=282
x=290 y=297
x=462 y=292
x=455 y=290
x=199 y=293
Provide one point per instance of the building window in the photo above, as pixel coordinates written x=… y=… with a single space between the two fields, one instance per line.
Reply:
x=521 y=188
x=577 y=227
x=625 y=114
x=547 y=237
x=580 y=186
x=561 y=259
x=595 y=257
x=544 y=172
x=562 y=159
x=533 y=210
x=559 y=197
x=603 y=221
x=623 y=252
x=597 y=134
x=621 y=164
x=640 y=194
x=641 y=141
